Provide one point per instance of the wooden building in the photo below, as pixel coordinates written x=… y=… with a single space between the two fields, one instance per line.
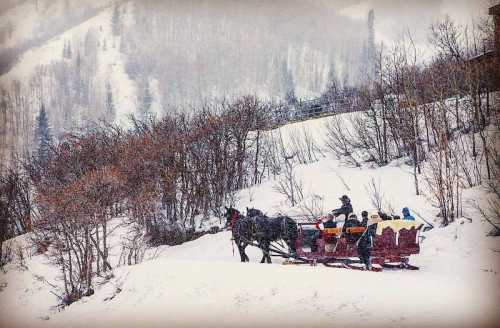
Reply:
x=489 y=60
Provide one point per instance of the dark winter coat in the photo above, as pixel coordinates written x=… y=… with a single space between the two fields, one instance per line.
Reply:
x=366 y=240
x=364 y=223
x=330 y=224
x=345 y=209
x=407 y=215
x=349 y=223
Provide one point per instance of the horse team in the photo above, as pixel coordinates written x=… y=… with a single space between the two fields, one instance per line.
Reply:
x=259 y=230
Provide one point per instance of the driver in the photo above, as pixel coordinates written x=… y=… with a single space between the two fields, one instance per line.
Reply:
x=346 y=207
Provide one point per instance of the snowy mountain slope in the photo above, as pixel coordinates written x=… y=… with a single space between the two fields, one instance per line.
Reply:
x=27 y=21
x=110 y=63
x=203 y=281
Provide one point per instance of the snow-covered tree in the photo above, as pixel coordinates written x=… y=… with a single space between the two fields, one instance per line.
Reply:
x=43 y=136
x=110 y=107
x=69 y=53
x=287 y=84
x=369 y=48
x=333 y=85
x=147 y=100
x=115 y=21
x=65 y=50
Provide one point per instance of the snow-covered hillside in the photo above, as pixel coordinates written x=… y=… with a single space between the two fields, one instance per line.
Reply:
x=110 y=63
x=203 y=283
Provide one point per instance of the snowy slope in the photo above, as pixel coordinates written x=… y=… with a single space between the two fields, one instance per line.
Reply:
x=110 y=61
x=203 y=282
x=26 y=18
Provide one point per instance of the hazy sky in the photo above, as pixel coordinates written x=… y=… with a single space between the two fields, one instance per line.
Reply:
x=394 y=16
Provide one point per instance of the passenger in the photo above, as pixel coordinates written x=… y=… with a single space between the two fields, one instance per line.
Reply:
x=330 y=222
x=384 y=216
x=346 y=207
x=364 y=215
x=352 y=221
x=407 y=215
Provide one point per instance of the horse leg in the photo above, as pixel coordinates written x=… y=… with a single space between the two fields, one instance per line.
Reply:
x=244 y=254
x=262 y=246
x=241 y=249
x=265 y=252
x=268 y=251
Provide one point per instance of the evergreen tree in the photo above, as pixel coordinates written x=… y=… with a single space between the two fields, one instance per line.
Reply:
x=110 y=107
x=115 y=21
x=332 y=87
x=78 y=60
x=77 y=78
x=66 y=50
x=287 y=84
x=43 y=136
x=147 y=100
x=370 y=46
x=69 y=53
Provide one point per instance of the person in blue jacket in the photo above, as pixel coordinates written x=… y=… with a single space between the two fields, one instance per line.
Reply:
x=407 y=215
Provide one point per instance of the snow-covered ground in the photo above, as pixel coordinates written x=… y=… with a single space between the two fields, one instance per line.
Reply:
x=202 y=283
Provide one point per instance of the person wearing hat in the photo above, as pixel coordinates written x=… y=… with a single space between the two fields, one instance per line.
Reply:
x=352 y=221
x=322 y=224
x=345 y=209
x=407 y=215
x=330 y=222
x=364 y=221
x=365 y=242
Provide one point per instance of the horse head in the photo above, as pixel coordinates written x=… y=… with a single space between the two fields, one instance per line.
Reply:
x=253 y=212
x=231 y=214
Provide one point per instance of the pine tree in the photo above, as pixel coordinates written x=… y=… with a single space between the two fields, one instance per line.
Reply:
x=147 y=100
x=65 y=49
x=287 y=84
x=77 y=78
x=115 y=21
x=332 y=87
x=43 y=137
x=69 y=53
x=370 y=46
x=110 y=107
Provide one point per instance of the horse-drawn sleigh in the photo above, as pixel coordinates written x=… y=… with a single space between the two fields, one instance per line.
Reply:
x=393 y=242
